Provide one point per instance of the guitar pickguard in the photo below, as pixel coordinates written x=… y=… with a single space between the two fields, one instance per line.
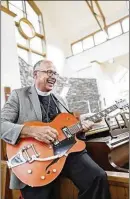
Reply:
x=64 y=145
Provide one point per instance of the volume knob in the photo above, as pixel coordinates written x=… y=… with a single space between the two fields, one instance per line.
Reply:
x=54 y=170
x=29 y=171
x=42 y=177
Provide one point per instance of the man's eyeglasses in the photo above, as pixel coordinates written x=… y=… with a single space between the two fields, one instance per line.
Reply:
x=50 y=73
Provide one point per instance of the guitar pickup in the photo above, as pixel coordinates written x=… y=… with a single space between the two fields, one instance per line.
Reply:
x=67 y=132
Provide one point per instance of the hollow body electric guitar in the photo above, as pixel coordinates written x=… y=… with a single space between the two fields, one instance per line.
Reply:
x=36 y=163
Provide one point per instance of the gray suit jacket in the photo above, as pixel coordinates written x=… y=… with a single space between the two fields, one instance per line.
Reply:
x=22 y=105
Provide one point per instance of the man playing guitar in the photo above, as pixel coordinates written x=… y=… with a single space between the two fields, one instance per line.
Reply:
x=38 y=103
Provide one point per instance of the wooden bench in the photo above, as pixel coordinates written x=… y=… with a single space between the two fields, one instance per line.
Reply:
x=118 y=184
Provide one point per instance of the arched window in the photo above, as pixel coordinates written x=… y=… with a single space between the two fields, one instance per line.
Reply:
x=29 y=28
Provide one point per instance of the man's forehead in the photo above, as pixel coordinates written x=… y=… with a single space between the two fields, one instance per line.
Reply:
x=47 y=65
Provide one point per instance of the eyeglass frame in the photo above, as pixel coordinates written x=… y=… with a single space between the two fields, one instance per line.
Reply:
x=47 y=72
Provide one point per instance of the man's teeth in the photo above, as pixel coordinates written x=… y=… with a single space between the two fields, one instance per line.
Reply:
x=50 y=82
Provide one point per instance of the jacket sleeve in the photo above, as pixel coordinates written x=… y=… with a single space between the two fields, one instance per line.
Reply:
x=10 y=130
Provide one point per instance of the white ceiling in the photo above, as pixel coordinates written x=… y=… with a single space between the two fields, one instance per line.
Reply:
x=74 y=20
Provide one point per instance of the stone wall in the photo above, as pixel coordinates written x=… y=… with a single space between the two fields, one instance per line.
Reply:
x=25 y=73
x=82 y=95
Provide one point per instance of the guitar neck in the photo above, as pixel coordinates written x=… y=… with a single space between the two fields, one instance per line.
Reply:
x=96 y=117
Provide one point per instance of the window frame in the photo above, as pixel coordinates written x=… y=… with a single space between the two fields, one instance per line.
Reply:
x=39 y=35
x=92 y=35
x=122 y=25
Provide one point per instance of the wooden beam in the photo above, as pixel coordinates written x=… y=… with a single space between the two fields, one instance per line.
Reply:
x=31 y=50
x=35 y=7
x=7 y=11
x=91 y=7
x=102 y=15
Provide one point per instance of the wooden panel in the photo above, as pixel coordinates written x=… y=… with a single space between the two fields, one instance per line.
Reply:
x=118 y=184
x=3 y=150
x=16 y=194
x=5 y=174
x=7 y=91
x=67 y=190
x=3 y=178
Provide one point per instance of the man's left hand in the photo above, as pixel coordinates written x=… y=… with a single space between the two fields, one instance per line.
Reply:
x=87 y=125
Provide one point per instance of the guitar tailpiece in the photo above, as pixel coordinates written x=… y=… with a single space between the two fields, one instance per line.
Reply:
x=16 y=160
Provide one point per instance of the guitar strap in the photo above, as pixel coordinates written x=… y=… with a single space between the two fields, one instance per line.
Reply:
x=56 y=100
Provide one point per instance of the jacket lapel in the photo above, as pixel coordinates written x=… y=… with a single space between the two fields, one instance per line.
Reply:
x=35 y=102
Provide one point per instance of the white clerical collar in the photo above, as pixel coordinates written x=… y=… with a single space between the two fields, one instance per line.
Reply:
x=42 y=93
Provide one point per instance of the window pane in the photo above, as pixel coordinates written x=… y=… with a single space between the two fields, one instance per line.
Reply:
x=125 y=25
x=40 y=18
x=88 y=43
x=23 y=54
x=35 y=23
x=31 y=12
x=17 y=4
x=77 y=48
x=41 y=28
x=18 y=12
x=44 y=46
x=35 y=58
x=19 y=38
x=36 y=44
x=114 y=30
x=100 y=37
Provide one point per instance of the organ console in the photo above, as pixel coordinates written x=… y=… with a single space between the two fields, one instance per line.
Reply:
x=109 y=146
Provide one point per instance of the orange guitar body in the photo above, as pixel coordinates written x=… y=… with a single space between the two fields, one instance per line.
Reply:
x=40 y=173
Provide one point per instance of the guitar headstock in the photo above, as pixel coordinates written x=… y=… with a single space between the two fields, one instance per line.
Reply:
x=122 y=104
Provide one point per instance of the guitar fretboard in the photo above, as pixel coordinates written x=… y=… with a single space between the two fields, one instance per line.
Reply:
x=96 y=117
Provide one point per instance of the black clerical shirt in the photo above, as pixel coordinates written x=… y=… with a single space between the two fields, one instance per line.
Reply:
x=48 y=112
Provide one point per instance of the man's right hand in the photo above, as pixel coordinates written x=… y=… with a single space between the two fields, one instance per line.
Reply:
x=44 y=134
